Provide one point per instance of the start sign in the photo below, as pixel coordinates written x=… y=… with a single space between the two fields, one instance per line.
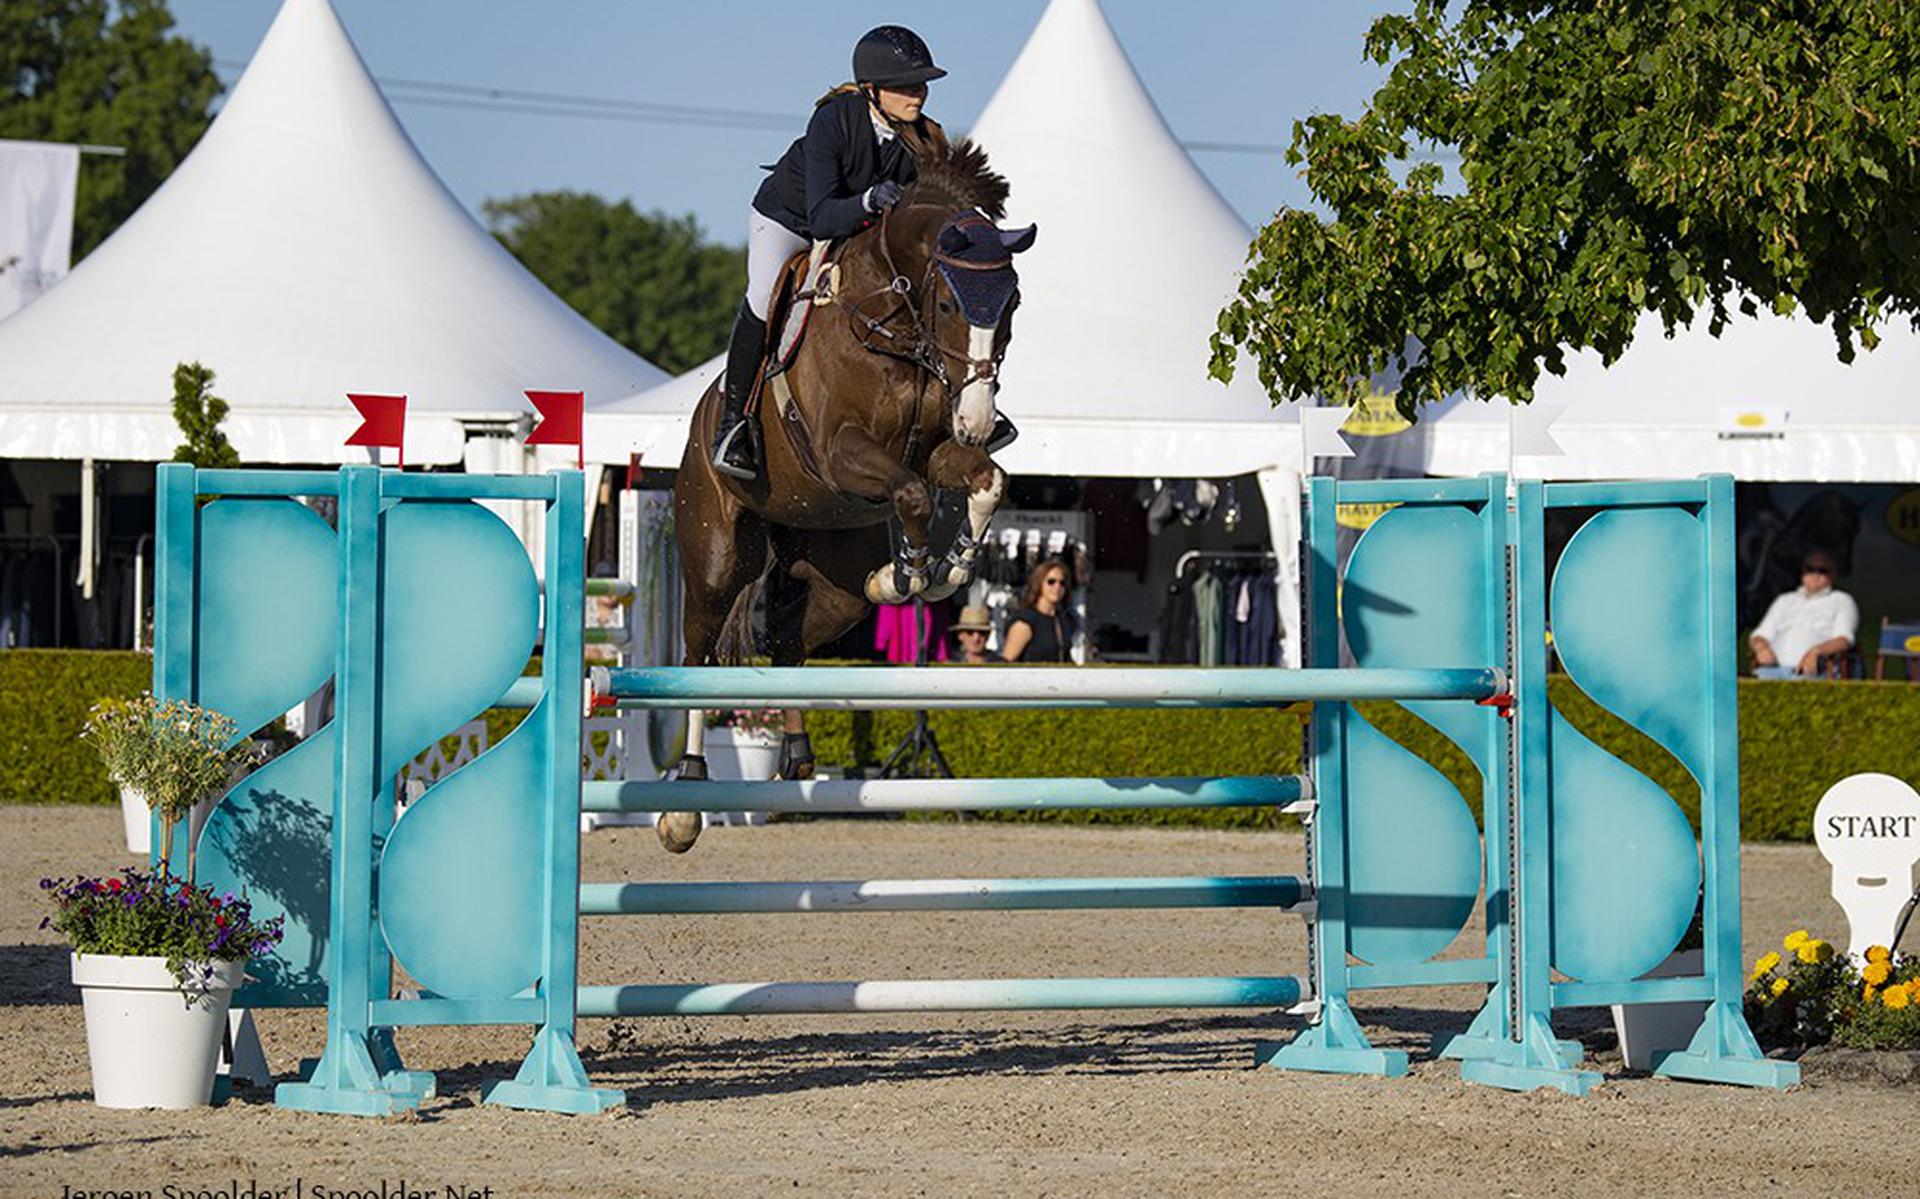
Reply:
x=1868 y=828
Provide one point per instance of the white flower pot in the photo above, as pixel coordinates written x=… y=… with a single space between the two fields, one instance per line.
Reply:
x=134 y=814
x=733 y=754
x=137 y=818
x=148 y=1045
x=1649 y=1029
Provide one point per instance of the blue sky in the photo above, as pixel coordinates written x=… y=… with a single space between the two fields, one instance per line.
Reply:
x=1221 y=70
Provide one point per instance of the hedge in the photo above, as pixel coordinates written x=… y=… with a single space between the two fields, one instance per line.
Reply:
x=1797 y=739
x=44 y=697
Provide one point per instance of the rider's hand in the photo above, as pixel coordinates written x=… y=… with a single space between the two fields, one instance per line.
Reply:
x=881 y=195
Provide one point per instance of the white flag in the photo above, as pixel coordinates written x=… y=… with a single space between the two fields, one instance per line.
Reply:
x=37 y=184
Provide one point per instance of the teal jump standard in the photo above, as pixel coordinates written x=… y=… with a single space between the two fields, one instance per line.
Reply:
x=421 y=607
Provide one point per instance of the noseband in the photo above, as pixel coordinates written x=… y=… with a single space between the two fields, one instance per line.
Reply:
x=918 y=344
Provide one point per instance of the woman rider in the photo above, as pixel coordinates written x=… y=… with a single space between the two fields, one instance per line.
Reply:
x=860 y=150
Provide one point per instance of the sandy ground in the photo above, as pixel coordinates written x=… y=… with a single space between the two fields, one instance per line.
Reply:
x=1151 y=1104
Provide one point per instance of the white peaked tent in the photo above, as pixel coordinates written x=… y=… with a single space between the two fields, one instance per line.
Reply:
x=303 y=250
x=1768 y=400
x=1136 y=255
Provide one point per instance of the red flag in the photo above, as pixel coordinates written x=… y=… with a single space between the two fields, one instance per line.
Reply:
x=384 y=422
x=562 y=415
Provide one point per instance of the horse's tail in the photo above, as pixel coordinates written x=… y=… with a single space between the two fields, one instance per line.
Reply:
x=735 y=646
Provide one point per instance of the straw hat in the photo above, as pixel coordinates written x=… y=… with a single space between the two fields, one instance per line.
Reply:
x=975 y=619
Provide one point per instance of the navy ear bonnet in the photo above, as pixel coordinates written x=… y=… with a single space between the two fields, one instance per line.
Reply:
x=976 y=256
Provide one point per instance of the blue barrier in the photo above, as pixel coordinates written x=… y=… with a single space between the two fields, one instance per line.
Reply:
x=422 y=609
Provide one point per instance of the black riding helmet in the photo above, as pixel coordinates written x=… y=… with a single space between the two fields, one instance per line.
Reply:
x=893 y=56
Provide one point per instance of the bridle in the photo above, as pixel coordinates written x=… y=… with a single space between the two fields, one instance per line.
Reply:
x=917 y=343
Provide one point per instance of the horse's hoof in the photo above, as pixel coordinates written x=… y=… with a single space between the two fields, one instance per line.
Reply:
x=677 y=830
x=796 y=758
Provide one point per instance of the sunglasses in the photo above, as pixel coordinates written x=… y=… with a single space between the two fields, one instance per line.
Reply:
x=972 y=632
x=1056 y=581
x=1811 y=568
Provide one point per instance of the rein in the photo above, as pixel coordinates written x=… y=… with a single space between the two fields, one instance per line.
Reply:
x=919 y=347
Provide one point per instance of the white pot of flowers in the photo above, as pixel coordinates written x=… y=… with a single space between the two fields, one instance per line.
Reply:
x=1649 y=1029
x=152 y=1041
x=138 y=820
x=741 y=753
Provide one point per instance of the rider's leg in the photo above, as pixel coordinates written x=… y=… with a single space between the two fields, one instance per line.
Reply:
x=732 y=444
x=769 y=246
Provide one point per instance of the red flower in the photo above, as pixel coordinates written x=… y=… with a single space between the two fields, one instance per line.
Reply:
x=113 y=884
x=219 y=922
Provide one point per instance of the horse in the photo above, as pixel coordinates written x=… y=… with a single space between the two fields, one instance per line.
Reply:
x=892 y=396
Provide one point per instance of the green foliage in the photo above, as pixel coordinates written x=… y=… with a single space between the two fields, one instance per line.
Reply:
x=107 y=74
x=1813 y=995
x=1796 y=740
x=45 y=697
x=651 y=282
x=1614 y=158
x=136 y=914
x=175 y=754
x=199 y=412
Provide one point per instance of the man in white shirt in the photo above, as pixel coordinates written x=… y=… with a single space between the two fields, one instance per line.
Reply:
x=1803 y=626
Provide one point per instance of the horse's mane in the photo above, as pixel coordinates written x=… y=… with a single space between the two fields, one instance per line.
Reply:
x=963 y=179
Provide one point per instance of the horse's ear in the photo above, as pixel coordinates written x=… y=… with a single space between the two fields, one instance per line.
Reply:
x=1016 y=240
x=953 y=240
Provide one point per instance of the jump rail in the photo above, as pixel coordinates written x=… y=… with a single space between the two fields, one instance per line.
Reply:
x=422 y=613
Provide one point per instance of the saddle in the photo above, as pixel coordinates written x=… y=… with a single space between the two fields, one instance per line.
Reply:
x=809 y=280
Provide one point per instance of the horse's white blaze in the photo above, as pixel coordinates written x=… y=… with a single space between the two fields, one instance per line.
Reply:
x=973 y=414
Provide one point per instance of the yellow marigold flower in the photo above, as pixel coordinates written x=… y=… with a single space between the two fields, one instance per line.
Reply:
x=1895 y=997
x=1765 y=966
x=1878 y=953
x=1808 y=952
x=1868 y=992
x=1779 y=987
x=1795 y=939
x=1877 y=973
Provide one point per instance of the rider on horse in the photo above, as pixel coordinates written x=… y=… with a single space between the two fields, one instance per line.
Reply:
x=860 y=150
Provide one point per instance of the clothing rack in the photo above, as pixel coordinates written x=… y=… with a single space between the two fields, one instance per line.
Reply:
x=1181 y=563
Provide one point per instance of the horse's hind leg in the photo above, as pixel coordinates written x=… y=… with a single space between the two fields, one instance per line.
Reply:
x=723 y=549
x=963 y=466
x=864 y=467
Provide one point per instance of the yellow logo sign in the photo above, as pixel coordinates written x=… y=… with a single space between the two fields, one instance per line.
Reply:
x=1913 y=645
x=1751 y=420
x=1903 y=516
x=1360 y=516
x=1375 y=416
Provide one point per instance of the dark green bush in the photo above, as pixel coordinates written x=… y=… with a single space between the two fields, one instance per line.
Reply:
x=1797 y=739
x=44 y=697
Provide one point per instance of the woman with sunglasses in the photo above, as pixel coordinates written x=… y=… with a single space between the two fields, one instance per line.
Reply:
x=862 y=147
x=1041 y=630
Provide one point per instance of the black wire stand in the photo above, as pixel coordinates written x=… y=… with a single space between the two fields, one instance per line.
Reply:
x=917 y=756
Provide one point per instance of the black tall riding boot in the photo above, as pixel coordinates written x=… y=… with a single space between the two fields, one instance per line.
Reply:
x=733 y=449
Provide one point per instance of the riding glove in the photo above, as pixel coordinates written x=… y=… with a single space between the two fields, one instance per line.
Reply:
x=881 y=195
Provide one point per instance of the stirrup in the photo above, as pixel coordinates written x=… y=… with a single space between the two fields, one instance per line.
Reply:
x=723 y=464
x=1003 y=433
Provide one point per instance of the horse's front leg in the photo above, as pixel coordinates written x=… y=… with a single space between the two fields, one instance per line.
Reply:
x=964 y=466
x=864 y=467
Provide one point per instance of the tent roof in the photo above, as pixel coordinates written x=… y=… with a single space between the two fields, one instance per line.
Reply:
x=303 y=250
x=1767 y=400
x=1136 y=255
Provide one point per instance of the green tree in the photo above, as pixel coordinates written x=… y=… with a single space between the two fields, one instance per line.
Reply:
x=199 y=412
x=649 y=281
x=107 y=73
x=1615 y=157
